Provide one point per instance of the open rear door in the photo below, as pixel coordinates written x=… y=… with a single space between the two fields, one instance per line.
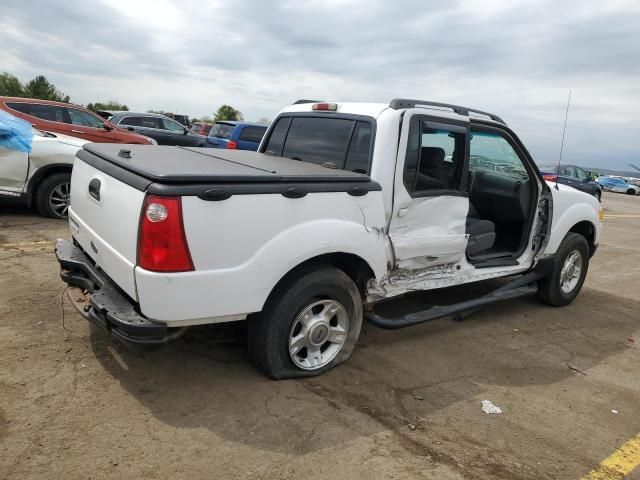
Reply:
x=427 y=227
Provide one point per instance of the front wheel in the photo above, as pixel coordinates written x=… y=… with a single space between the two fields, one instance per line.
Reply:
x=631 y=191
x=598 y=195
x=310 y=324
x=570 y=267
x=53 y=195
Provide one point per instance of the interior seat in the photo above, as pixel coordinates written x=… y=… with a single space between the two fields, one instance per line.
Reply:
x=482 y=232
x=432 y=165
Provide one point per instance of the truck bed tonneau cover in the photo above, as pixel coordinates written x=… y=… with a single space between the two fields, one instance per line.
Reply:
x=170 y=165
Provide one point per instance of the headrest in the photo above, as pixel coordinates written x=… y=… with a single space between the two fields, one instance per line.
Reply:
x=432 y=157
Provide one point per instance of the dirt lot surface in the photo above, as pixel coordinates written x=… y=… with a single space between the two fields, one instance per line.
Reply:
x=74 y=404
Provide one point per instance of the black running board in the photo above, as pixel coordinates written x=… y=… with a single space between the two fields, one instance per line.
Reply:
x=519 y=287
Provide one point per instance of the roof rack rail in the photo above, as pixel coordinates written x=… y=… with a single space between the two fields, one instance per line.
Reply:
x=398 y=103
x=298 y=102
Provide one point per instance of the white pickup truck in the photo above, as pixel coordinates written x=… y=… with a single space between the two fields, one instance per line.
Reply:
x=344 y=205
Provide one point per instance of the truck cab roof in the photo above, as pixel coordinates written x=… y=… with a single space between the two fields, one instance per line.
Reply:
x=374 y=110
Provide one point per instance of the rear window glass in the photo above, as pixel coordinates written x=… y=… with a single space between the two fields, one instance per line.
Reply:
x=332 y=142
x=221 y=130
x=252 y=134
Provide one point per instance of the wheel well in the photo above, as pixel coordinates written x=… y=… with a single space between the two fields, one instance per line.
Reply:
x=587 y=230
x=41 y=174
x=354 y=266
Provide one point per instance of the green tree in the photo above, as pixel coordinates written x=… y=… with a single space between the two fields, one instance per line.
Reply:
x=227 y=112
x=110 y=105
x=10 y=86
x=42 y=88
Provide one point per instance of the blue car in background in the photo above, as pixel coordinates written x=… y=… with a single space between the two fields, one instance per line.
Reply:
x=235 y=135
x=618 y=185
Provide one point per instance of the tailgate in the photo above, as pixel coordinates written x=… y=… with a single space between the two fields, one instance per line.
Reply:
x=105 y=224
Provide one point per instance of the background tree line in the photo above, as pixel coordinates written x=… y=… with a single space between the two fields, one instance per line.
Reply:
x=40 y=87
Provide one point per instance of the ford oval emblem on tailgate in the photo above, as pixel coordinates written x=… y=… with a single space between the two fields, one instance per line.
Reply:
x=94 y=188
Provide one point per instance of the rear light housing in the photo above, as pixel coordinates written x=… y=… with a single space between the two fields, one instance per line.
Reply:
x=162 y=243
x=550 y=177
x=231 y=145
x=326 y=107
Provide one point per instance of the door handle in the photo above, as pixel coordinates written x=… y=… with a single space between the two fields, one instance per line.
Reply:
x=77 y=131
x=402 y=212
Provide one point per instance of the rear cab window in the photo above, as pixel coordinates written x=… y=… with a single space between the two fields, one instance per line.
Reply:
x=343 y=142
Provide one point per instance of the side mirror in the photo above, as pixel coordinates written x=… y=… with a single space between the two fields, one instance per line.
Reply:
x=130 y=129
x=107 y=126
x=186 y=131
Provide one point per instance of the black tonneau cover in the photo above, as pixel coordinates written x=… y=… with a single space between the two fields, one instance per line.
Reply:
x=179 y=165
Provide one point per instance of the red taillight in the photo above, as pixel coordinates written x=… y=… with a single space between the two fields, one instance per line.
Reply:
x=550 y=177
x=162 y=244
x=231 y=145
x=330 y=107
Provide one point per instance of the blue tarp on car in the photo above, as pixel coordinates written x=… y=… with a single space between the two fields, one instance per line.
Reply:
x=15 y=133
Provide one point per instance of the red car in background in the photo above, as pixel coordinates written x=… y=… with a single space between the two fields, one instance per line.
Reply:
x=69 y=119
x=201 y=128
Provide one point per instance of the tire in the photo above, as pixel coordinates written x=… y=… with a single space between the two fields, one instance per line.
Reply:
x=294 y=318
x=52 y=196
x=598 y=195
x=557 y=289
x=631 y=192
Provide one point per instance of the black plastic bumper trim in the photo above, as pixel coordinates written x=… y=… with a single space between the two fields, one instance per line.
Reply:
x=108 y=307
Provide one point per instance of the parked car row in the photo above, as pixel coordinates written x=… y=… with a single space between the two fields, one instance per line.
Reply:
x=618 y=185
x=108 y=126
x=71 y=120
x=575 y=177
x=35 y=166
x=159 y=127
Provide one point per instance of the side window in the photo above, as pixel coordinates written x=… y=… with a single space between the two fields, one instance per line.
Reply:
x=491 y=151
x=568 y=171
x=358 y=154
x=171 y=125
x=20 y=107
x=277 y=137
x=78 y=117
x=435 y=157
x=151 y=122
x=52 y=113
x=131 y=121
x=252 y=134
x=582 y=175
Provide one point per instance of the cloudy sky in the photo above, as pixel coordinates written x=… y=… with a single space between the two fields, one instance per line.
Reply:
x=518 y=59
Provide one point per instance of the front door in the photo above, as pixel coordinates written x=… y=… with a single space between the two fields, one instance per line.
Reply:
x=427 y=227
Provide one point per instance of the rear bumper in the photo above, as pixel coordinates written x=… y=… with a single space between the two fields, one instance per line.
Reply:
x=98 y=300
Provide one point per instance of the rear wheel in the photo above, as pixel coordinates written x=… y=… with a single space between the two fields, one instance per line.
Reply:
x=631 y=191
x=563 y=284
x=309 y=325
x=53 y=195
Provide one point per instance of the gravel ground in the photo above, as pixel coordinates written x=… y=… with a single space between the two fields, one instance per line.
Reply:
x=75 y=404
